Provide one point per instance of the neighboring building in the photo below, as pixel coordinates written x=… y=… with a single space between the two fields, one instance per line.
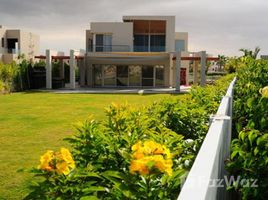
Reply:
x=137 y=52
x=14 y=42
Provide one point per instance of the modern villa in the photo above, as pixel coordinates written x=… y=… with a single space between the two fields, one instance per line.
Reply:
x=137 y=52
x=14 y=42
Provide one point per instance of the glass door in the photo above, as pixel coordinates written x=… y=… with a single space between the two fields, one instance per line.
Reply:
x=122 y=75
x=97 y=75
x=134 y=75
x=109 y=74
x=148 y=76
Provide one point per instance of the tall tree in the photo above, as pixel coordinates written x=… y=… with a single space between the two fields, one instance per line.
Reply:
x=221 y=61
x=248 y=52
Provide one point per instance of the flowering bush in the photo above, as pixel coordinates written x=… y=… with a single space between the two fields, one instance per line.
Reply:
x=249 y=150
x=134 y=153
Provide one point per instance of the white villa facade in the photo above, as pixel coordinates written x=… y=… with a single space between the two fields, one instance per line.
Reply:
x=15 y=41
x=137 y=52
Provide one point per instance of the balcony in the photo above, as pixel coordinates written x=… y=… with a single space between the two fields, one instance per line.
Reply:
x=152 y=49
x=125 y=48
x=13 y=51
x=109 y=48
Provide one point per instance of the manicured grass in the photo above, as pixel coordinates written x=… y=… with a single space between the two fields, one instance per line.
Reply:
x=31 y=123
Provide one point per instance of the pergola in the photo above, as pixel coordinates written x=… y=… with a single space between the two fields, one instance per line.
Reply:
x=75 y=55
x=202 y=57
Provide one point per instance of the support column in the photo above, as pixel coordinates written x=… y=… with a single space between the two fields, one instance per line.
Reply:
x=62 y=70
x=171 y=70
x=72 y=69
x=203 y=68
x=89 y=75
x=178 y=71
x=82 y=68
x=94 y=43
x=195 y=72
x=48 y=69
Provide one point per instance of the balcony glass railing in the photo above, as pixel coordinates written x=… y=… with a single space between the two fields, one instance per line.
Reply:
x=13 y=51
x=149 y=49
x=109 y=48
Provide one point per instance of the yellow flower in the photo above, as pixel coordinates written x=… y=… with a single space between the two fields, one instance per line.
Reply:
x=67 y=157
x=62 y=168
x=46 y=161
x=60 y=162
x=139 y=166
x=150 y=156
x=264 y=92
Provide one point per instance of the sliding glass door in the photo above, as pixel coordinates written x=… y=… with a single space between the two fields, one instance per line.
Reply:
x=122 y=75
x=128 y=75
x=148 y=75
x=134 y=75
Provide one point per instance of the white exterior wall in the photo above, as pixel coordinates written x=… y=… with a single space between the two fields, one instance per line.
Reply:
x=29 y=44
x=182 y=36
x=170 y=28
x=2 y=35
x=122 y=33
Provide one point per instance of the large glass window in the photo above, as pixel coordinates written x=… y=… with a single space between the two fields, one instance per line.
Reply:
x=109 y=74
x=159 y=75
x=103 y=43
x=122 y=75
x=134 y=75
x=147 y=76
x=157 y=43
x=141 y=43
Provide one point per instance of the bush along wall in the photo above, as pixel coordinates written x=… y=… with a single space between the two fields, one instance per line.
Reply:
x=134 y=153
x=14 y=77
x=249 y=150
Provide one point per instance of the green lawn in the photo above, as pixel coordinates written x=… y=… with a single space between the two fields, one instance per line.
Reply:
x=31 y=123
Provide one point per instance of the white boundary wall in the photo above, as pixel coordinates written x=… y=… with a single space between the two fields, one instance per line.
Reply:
x=209 y=167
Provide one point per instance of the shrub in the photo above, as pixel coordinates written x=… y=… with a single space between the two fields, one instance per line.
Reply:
x=249 y=149
x=7 y=74
x=134 y=153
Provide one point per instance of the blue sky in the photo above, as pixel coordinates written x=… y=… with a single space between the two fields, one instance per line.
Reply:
x=217 y=26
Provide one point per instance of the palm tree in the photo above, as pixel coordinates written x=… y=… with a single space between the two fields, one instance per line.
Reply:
x=250 y=53
x=221 y=61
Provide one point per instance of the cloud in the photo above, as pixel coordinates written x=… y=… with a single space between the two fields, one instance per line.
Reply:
x=220 y=27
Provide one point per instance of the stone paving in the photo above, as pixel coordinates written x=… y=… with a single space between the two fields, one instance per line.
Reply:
x=184 y=89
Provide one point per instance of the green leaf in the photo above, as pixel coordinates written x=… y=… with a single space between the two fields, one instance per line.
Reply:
x=89 y=198
x=94 y=189
x=250 y=102
x=234 y=153
x=256 y=151
x=114 y=174
x=252 y=135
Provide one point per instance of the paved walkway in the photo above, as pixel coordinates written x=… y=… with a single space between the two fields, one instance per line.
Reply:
x=184 y=89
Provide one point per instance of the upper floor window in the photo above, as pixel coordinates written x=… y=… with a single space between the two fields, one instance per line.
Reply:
x=180 y=45
x=3 y=42
x=103 y=43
